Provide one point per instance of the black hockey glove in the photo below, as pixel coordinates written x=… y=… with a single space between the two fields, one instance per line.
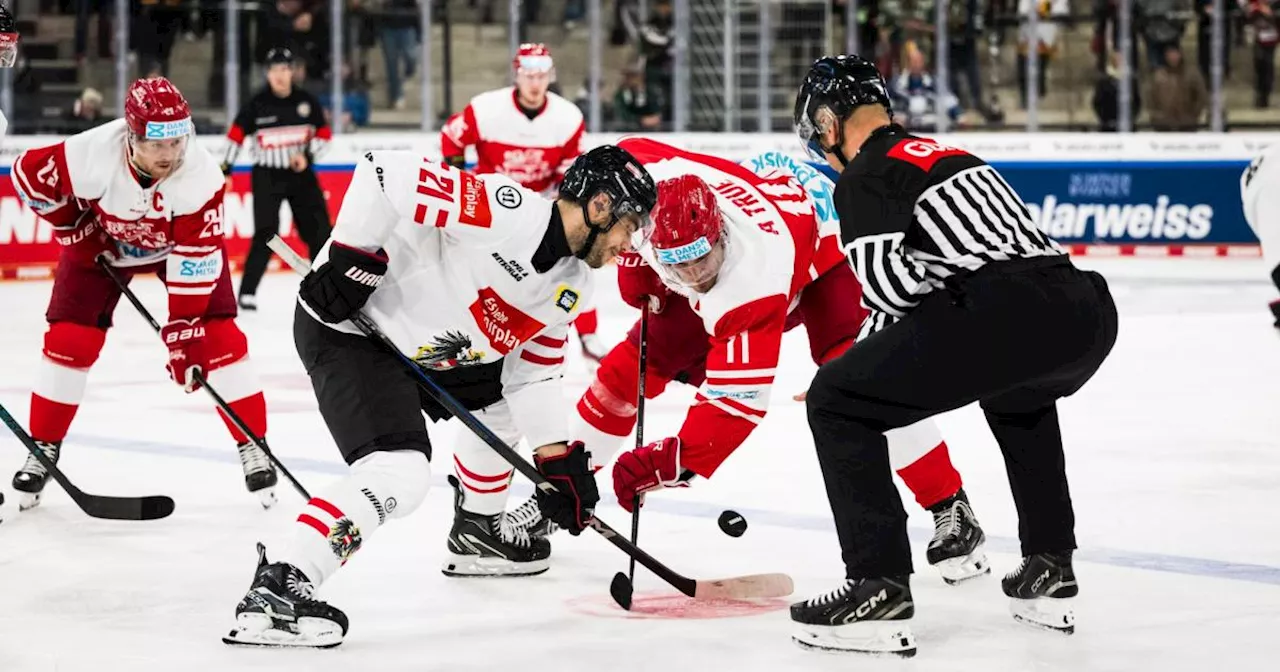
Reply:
x=574 y=503
x=338 y=288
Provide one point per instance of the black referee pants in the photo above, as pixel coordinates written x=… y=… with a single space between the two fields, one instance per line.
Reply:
x=1014 y=336
x=271 y=187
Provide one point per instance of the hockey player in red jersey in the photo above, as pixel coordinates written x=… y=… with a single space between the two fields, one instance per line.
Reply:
x=140 y=193
x=529 y=134
x=735 y=257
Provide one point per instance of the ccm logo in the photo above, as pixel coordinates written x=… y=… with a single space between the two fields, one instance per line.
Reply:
x=363 y=277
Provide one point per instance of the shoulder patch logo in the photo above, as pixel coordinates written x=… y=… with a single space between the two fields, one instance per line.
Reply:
x=304 y=109
x=508 y=197
x=922 y=152
x=566 y=298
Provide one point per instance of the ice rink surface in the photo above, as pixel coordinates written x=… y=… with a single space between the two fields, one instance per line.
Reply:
x=1173 y=452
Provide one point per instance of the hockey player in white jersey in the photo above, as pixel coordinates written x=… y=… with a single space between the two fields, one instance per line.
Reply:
x=8 y=56
x=477 y=279
x=1260 y=196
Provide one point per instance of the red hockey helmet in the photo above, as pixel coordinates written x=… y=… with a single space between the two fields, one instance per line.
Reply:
x=8 y=39
x=533 y=57
x=154 y=109
x=687 y=233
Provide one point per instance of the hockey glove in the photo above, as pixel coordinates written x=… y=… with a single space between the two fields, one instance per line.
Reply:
x=574 y=503
x=636 y=281
x=646 y=468
x=85 y=240
x=185 y=340
x=338 y=288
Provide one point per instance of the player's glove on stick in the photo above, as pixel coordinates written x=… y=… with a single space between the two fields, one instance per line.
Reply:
x=574 y=502
x=650 y=467
x=637 y=283
x=85 y=240
x=185 y=340
x=339 y=287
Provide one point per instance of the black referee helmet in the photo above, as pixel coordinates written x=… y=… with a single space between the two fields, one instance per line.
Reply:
x=834 y=86
x=279 y=56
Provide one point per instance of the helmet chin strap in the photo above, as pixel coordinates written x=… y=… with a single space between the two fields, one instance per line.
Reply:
x=593 y=231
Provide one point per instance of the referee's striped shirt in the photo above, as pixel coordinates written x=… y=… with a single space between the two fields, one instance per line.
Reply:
x=914 y=213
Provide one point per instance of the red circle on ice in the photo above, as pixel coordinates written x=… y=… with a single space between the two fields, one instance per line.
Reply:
x=668 y=606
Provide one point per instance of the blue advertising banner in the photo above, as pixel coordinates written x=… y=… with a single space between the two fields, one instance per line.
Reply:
x=1132 y=202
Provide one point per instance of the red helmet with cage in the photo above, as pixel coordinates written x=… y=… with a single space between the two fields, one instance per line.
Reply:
x=533 y=57
x=8 y=38
x=687 y=232
x=154 y=109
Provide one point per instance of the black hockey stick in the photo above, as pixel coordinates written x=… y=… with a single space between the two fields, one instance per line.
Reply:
x=204 y=384
x=623 y=587
x=742 y=587
x=96 y=506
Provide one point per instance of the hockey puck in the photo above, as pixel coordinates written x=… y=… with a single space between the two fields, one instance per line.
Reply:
x=732 y=523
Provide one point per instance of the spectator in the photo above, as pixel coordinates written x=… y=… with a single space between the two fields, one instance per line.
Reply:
x=86 y=112
x=914 y=94
x=1162 y=23
x=657 y=46
x=1106 y=97
x=1262 y=16
x=1044 y=42
x=401 y=30
x=1178 y=95
x=1204 y=37
x=297 y=26
x=156 y=25
x=105 y=10
x=637 y=106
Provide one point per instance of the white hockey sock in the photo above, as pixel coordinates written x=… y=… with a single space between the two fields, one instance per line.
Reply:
x=485 y=478
x=336 y=523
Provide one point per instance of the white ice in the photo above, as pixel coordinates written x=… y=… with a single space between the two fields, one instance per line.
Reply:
x=1172 y=453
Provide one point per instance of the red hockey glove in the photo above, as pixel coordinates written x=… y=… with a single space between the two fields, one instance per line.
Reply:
x=85 y=239
x=573 y=503
x=185 y=340
x=650 y=467
x=637 y=281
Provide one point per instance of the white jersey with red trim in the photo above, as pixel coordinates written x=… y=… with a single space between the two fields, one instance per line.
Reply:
x=1260 y=199
x=177 y=219
x=534 y=152
x=773 y=249
x=4 y=124
x=461 y=288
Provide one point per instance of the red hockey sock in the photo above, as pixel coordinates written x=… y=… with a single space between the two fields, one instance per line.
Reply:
x=69 y=351
x=932 y=477
x=251 y=409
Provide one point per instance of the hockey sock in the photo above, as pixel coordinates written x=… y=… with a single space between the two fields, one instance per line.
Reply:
x=233 y=375
x=485 y=478
x=69 y=351
x=337 y=522
x=587 y=322
x=919 y=455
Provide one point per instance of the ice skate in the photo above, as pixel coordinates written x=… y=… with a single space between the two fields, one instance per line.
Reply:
x=869 y=616
x=30 y=480
x=481 y=545
x=956 y=548
x=279 y=610
x=1042 y=590
x=528 y=517
x=248 y=302
x=259 y=474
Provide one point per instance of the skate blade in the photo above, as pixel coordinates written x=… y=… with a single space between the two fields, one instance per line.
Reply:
x=259 y=630
x=29 y=500
x=872 y=638
x=1046 y=613
x=467 y=566
x=267 y=497
x=960 y=569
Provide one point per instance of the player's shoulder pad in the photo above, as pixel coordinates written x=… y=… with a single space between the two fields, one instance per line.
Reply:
x=563 y=106
x=197 y=182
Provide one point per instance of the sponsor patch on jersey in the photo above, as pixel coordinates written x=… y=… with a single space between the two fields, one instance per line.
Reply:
x=448 y=350
x=923 y=153
x=740 y=395
x=165 y=130
x=505 y=325
x=566 y=298
x=508 y=197
x=475 y=202
x=304 y=109
x=201 y=270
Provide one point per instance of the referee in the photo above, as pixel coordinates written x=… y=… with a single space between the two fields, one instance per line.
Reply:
x=969 y=302
x=289 y=132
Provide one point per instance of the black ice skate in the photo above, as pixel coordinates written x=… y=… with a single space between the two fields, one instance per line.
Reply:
x=30 y=480
x=259 y=474
x=481 y=545
x=528 y=517
x=871 y=616
x=279 y=610
x=956 y=547
x=1041 y=592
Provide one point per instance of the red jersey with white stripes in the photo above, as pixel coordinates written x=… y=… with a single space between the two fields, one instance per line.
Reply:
x=534 y=152
x=774 y=248
x=177 y=220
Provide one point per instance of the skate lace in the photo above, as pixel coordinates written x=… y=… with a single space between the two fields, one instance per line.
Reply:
x=837 y=594
x=32 y=465
x=947 y=523
x=253 y=459
x=299 y=586
x=1022 y=566
x=513 y=533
